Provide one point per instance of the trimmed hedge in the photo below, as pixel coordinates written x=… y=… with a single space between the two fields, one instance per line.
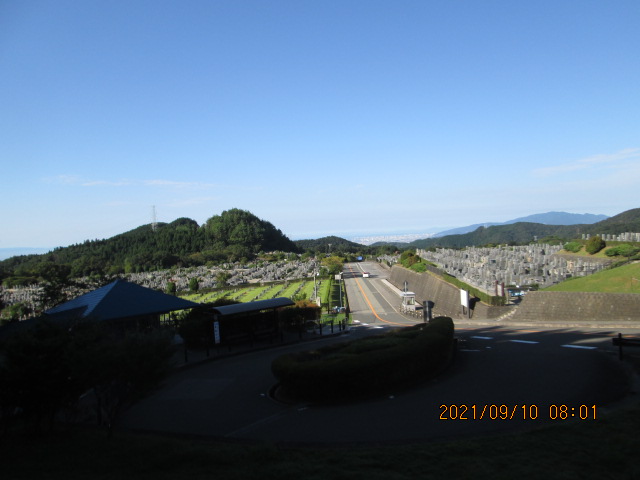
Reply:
x=367 y=366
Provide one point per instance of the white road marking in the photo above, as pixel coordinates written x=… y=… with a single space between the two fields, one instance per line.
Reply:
x=482 y=338
x=579 y=346
x=523 y=341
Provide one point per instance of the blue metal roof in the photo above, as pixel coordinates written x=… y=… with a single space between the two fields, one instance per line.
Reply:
x=120 y=299
x=253 y=306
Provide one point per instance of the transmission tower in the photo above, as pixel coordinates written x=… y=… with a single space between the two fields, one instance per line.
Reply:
x=154 y=220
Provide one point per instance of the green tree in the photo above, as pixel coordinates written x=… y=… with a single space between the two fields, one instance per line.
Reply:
x=15 y=312
x=594 y=245
x=194 y=285
x=222 y=278
x=333 y=264
x=171 y=288
x=408 y=258
x=54 y=280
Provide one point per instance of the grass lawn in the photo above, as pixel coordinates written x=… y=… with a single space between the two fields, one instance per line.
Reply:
x=624 y=279
x=307 y=290
x=292 y=288
x=248 y=293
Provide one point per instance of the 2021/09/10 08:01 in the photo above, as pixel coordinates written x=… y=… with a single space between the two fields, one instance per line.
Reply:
x=511 y=412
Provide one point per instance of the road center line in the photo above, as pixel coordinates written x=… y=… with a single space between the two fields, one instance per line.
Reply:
x=371 y=306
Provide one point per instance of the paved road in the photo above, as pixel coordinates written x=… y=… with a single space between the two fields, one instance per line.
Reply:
x=372 y=300
x=524 y=369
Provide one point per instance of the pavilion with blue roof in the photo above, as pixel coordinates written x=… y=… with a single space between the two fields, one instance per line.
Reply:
x=120 y=301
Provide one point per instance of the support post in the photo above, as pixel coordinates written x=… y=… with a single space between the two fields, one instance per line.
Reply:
x=620 y=345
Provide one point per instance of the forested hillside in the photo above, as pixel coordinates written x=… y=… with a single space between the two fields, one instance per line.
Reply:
x=238 y=235
x=233 y=235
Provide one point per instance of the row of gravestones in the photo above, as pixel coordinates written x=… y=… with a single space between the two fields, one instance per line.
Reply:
x=159 y=280
x=610 y=237
x=239 y=274
x=484 y=267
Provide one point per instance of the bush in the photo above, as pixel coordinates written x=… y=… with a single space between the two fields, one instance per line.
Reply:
x=419 y=267
x=367 y=366
x=624 y=250
x=594 y=245
x=573 y=247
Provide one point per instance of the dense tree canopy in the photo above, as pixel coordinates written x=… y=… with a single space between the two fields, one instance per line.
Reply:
x=233 y=235
x=239 y=233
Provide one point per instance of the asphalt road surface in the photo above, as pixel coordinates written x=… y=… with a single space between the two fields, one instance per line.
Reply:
x=502 y=379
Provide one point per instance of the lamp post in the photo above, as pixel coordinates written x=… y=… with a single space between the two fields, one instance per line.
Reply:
x=315 y=285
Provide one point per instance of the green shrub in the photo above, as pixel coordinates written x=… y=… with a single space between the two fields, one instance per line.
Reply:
x=419 y=267
x=624 y=250
x=573 y=247
x=371 y=365
x=594 y=245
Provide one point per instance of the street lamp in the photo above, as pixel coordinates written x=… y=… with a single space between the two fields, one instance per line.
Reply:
x=315 y=285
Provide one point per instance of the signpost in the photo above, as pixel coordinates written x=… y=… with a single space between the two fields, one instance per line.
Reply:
x=464 y=301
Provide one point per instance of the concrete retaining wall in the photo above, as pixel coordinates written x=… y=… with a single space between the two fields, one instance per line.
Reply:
x=567 y=307
x=576 y=307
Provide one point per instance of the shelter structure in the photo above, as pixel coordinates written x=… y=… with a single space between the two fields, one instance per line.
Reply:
x=129 y=305
x=248 y=321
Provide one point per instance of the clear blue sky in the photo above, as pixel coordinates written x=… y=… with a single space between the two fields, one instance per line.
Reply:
x=322 y=117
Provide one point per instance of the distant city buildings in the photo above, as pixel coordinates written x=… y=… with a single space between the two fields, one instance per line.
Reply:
x=404 y=238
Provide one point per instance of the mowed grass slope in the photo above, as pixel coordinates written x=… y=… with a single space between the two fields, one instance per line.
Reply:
x=624 y=279
x=255 y=291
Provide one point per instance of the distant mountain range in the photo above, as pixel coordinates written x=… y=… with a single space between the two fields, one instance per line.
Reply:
x=521 y=233
x=549 y=218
